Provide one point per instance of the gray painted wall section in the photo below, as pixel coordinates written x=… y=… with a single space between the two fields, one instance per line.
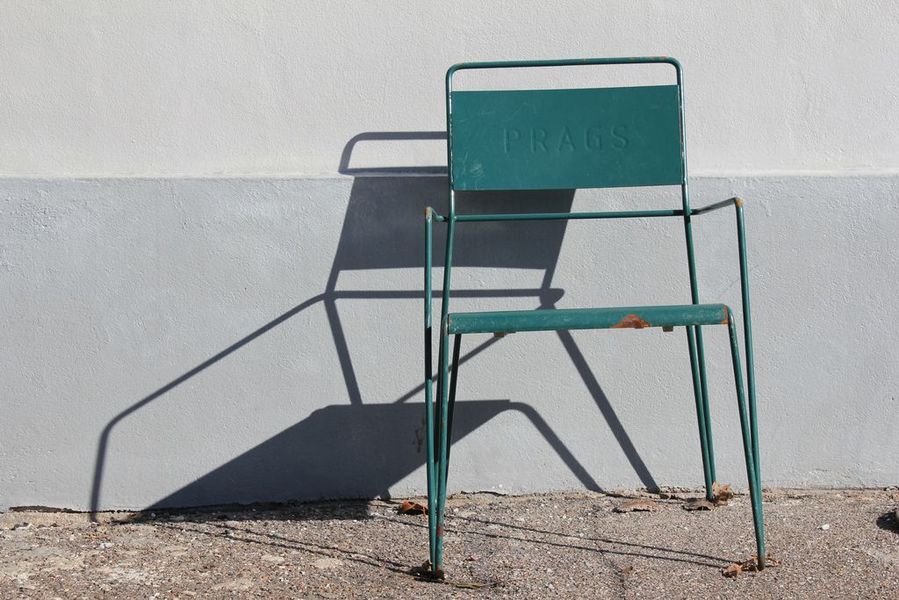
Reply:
x=200 y=341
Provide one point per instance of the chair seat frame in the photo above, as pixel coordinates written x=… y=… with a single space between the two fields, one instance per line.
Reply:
x=439 y=410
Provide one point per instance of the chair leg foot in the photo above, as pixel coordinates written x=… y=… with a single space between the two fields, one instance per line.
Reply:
x=426 y=571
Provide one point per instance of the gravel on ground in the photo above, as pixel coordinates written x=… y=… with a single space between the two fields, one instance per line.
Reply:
x=830 y=544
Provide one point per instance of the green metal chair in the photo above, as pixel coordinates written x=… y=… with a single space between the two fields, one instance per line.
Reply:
x=565 y=139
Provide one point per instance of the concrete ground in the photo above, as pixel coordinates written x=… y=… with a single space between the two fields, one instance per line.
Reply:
x=837 y=544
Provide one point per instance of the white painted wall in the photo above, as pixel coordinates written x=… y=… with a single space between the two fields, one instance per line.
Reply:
x=176 y=332
x=227 y=87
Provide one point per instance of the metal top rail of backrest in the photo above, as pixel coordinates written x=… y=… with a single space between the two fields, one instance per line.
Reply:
x=565 y=138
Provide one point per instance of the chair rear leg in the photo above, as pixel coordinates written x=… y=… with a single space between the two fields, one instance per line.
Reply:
x=704 y=386
x=702 y=415
x=749 y=447
x=454 y=371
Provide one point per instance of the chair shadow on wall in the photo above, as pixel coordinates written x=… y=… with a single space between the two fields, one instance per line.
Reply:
x=361 y=448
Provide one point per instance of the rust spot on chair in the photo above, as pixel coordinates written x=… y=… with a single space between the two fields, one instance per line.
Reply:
x=631 y=322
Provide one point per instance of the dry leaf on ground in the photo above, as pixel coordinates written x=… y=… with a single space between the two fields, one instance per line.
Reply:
x=698 y=504
x=412 y=508
x=749 y=565
x=637 y=505
x=721 y=492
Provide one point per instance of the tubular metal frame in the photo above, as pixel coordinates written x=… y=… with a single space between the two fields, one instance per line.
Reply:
x=439 y=413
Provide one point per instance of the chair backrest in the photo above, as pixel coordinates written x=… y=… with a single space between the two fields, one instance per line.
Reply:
x=565 y=138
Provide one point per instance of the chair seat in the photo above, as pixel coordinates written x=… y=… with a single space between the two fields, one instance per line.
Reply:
x=631 y=317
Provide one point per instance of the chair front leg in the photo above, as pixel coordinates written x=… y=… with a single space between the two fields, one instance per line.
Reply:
x=749 y=446
x=438 y=517
x=747 y=335
x=430 y=430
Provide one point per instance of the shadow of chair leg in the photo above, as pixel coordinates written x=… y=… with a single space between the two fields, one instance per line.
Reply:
x=608 y=413
x=103 y=442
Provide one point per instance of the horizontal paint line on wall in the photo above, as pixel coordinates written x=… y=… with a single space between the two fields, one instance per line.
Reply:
x=436 y=172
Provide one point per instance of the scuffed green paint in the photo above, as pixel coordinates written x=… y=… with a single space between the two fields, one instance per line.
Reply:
x=634 y=317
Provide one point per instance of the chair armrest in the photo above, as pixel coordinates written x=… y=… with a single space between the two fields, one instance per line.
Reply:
x=735 y=201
